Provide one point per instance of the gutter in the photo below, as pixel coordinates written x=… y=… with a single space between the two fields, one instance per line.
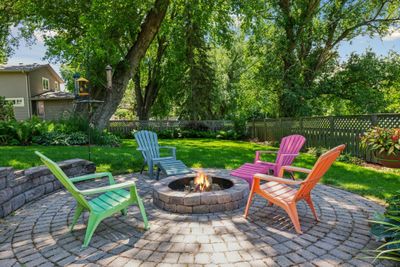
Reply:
x=28 y=95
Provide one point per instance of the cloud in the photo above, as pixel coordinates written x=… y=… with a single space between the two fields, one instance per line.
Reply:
x=393 y=35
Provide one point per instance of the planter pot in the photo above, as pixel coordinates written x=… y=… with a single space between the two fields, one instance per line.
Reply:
x=390 y=161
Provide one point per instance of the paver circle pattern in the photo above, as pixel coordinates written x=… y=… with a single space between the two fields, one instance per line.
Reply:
x=38 y=235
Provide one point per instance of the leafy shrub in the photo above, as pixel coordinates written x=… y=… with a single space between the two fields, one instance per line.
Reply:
x=105 y=138
x=386 y=228
x=6 y=110
x=240 y=126
x=71 y=124
x=344 y=157
x=195 y=125
x=60 y=138
x=382 y=140
x=348 y=158
x=67 y=131
x=21 y=133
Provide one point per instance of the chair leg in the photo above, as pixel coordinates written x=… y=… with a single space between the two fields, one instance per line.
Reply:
x=158 y=173
x=311 y=205
x=292 y=212
x=150 y=166
x=77 y=214
x=124 y=211
x=143 y=212
x=91 y=227
x=250 y=198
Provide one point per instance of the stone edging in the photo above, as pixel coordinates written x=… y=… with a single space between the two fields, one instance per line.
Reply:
x=18 y=187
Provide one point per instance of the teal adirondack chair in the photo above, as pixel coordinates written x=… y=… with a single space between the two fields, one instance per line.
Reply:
x=114 y=198
x=148 y=144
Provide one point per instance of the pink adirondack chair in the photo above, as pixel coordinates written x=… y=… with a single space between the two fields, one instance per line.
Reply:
x=288 y=150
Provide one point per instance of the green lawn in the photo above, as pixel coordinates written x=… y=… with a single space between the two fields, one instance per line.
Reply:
x=368 y=182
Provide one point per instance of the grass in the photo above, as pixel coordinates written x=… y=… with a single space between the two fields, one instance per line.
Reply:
x=371 y=183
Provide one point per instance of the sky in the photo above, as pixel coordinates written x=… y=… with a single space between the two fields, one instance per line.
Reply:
x=34 y=53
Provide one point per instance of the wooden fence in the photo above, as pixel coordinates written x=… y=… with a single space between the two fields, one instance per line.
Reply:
x=320 y=131
x=125 y=127
x=324 y=131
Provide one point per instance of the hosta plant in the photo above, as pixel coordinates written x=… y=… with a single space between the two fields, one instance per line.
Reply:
x=382 y=140
x=386 y=228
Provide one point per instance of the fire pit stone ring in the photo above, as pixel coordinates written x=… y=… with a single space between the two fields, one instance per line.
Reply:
x=232 y=197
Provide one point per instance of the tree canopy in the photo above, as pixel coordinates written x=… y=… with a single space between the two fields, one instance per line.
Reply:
x=217 y=59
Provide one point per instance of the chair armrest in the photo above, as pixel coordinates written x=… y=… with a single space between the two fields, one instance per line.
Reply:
x=93 y=176
x=107 y=188
x=271 y=178
x=292 y=169
x=145 y=153
x=172 y=148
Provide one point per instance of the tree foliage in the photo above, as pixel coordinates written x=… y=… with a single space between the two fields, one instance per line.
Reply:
x=363 y=84
x=305 y=35
x=6 y=110
x=218 y=59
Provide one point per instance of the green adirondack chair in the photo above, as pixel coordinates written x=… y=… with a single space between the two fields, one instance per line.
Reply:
x=113 y=198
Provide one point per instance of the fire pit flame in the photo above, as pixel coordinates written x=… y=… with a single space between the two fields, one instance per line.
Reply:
x=202 y=182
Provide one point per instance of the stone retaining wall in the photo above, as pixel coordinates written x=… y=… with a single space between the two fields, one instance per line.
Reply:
x=18 y=187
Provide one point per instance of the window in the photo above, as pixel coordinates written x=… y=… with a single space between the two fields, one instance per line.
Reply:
x=56 y=86
x=17 y=102
x=45 y=84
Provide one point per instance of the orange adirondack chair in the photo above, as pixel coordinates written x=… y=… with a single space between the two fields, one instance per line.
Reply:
x=279 y=192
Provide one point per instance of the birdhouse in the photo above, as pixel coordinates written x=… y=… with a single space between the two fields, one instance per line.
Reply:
x=83 y=87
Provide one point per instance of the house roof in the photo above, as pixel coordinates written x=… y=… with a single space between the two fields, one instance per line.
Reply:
x=52 y=95
x=29 y=68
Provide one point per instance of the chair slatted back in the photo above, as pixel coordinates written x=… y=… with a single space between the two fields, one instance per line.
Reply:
x=322 y=165
x=63 y=178
x=148 y=140
x=289 y=145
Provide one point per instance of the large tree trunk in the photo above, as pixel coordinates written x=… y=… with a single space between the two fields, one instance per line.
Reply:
x=145 y=100
x=126 y=68
x=287 y=105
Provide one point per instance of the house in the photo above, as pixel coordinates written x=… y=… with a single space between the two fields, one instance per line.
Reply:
x=34 y=90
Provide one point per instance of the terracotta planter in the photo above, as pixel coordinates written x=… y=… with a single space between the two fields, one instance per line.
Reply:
x=390 y=161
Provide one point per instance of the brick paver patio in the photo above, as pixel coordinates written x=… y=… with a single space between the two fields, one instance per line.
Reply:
x=37 y=234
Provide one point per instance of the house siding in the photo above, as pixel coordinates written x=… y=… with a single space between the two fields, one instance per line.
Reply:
x=55 y=109
x=14 y=85
x=35 y=79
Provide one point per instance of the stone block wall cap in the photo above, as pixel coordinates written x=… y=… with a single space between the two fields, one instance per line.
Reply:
x=6 y=171
x=34 y=170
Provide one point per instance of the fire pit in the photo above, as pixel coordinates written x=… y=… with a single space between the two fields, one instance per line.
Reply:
x=213 y=191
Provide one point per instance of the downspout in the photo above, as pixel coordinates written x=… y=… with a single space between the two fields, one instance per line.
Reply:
x=28 y=95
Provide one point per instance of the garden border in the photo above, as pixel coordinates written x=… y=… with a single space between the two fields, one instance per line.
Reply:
x=19 y=187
